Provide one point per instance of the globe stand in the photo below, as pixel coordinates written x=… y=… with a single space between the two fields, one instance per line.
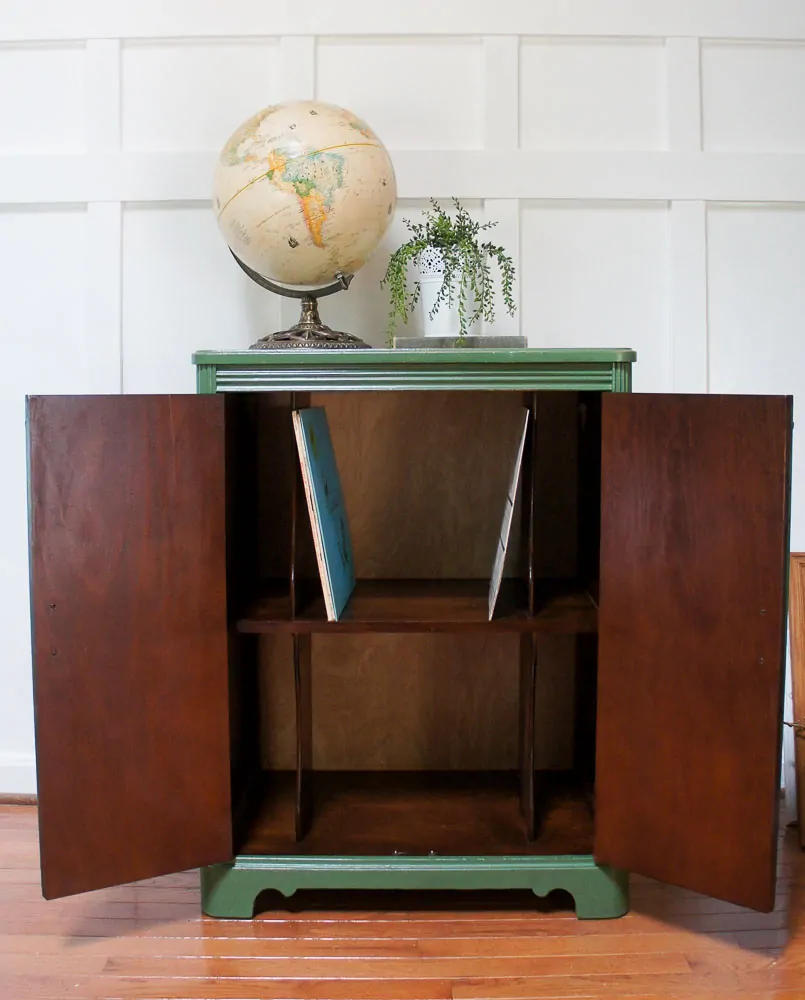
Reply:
x=309 y=331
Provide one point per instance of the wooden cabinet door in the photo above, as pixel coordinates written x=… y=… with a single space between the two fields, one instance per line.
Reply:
x=695 y=497
x=129 y=636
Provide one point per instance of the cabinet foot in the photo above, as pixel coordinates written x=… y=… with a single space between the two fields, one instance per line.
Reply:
x=230 y=890
x=599 y=893
x=227 y=893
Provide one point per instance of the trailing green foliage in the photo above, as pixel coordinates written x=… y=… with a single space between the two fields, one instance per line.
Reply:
x=467 y=279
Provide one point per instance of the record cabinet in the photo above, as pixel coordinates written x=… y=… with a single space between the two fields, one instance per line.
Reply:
x=621 y=712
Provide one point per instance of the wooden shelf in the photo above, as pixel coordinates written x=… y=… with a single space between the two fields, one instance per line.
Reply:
x=432 y=606
x=453 y=813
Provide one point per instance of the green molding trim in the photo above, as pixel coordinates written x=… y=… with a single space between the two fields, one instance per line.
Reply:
x=525 y=369
x=621 y=377
x=433 y=378
x=230 y=890
x=205 y=380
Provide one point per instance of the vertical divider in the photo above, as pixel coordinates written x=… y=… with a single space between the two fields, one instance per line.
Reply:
x=295 y=499
x=528 y=687
x=529 y=650
x=302 y=649
x=303 y=690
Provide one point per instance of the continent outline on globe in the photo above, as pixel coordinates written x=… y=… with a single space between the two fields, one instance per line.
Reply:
x=299 y=197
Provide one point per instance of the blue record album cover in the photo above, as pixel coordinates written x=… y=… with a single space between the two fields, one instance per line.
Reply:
x=325 y=502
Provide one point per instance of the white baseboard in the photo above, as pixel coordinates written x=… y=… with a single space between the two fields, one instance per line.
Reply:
x=17 y=774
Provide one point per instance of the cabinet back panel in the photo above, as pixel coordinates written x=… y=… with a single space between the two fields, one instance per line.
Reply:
x=274 y=468
x=408 y=702
x=425 y=476
x=413 y=813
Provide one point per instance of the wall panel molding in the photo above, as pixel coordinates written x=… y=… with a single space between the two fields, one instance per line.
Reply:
x=51 y=19
x=684 y=94
x=631 y=176
x=687 y=232
x=104 y=265
x=688 y=294
x=297 y=75
x=502 y=92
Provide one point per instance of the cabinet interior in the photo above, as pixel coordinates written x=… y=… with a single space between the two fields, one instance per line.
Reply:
x=405 y=726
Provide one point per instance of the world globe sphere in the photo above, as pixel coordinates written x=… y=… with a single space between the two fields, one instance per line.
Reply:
x=303 y=192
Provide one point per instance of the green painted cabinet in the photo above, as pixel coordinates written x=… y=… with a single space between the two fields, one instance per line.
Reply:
x=171 y=549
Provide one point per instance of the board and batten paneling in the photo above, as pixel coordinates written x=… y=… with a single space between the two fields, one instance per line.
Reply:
x=437 y=105
x=583 y=254
x=752 y=96
x=578 y=94
x=187 y=94
x=48 y=84
x=42 y=249
x=645 y=162
x=182 y=292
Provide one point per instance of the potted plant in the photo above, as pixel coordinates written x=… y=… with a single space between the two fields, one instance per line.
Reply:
x=453 y=286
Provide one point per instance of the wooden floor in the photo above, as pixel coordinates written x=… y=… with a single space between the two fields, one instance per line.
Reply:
x=150 y=941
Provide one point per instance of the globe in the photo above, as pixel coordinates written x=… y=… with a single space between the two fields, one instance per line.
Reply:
x=303 y=192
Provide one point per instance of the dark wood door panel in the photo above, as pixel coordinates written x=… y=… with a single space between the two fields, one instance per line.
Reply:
x=129 y=636
x=691 y=643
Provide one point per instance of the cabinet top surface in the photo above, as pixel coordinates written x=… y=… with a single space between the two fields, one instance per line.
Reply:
x=334 y=357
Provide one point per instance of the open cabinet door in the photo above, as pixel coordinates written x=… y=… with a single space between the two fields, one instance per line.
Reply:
x=129 y=636
x=694 y=537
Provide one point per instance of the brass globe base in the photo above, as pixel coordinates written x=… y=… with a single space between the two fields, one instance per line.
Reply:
x=308 y=332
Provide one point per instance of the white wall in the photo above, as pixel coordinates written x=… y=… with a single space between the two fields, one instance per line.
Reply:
x=645 y=158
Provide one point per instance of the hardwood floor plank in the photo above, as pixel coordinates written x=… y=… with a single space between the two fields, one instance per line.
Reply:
x=728 y=952
x=149 y=941
x=79 y=925
x=288 y=989
x=80 y=964
x=28 y=986
x=676 y=985
x=392 y=967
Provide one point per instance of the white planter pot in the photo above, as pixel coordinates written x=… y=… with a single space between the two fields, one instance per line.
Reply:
x=445 y=323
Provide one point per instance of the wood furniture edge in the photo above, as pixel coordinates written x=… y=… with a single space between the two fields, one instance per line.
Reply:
x=796 y=628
